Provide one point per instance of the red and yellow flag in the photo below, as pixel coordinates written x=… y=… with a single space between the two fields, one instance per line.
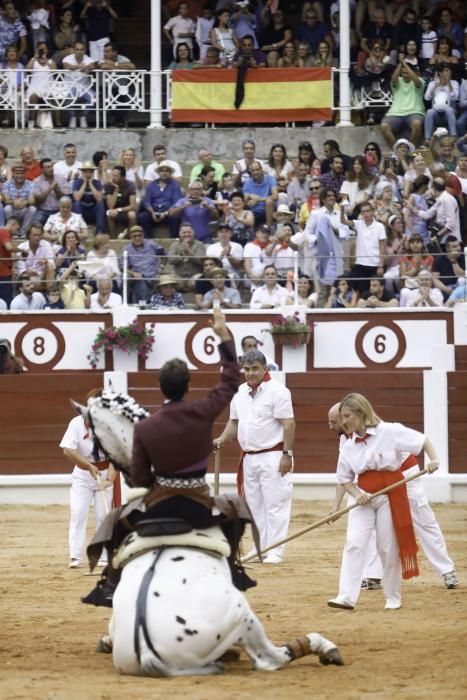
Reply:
x=271 y=95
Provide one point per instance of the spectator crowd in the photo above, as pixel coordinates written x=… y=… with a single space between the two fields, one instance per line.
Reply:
x=365 y=230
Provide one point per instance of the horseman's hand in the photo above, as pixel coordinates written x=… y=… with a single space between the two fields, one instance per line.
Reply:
x=432 y=466
x=335 y=516
x=362 y=499
x=217 y=444
x=218 y=325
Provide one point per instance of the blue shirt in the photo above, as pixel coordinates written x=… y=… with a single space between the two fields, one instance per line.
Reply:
x=88 y=199
x=198 y=217
x=144 y=259
x=162 y=199
x=262 y=189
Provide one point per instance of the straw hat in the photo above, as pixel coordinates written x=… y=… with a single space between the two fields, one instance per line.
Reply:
x=166 y=280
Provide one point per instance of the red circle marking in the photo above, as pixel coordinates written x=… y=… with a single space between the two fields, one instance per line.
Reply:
x=390 y=325
x=58 y=337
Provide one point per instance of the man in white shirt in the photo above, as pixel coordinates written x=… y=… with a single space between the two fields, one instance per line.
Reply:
x=425 y=295
x=271 y=294
x=180 y=28
x=27 y=299
x=78 y=67
x=67 y=169
x=370 y=248
x=262 y=420
x=445 y=211
x=231 y=254
x=255 y=258
x=160 y=154
x=241 y=168
x=104 y=298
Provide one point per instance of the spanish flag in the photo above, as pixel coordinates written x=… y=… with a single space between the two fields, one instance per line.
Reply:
x=272 y=95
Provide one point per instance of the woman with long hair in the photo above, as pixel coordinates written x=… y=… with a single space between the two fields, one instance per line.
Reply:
x=342 y=295
x=373 y=157
x=290 y=57
x=307 y=155
x=306 y=293
x=323 y=57
x=395 y=245
x=443 y=53
x=70 y=251
x=134 y=171
x=375 y=454
x=417 y=169
x=240 y=220
x=356 y=187
x=278 y=164
x=223 y=37
x=102 y=172
x=183 y=58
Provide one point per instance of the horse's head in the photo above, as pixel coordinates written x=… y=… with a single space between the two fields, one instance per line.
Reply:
x=112 y=417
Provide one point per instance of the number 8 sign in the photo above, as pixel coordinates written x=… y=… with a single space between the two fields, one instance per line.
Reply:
x=40 y=346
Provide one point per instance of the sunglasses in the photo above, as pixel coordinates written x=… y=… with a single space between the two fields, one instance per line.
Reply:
x=370 y=149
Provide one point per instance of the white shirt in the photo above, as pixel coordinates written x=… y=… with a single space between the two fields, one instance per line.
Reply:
x=385 y=447
x=78 y=437
x=367 y=242
x=236 y=251
x=353 y=192
x=283 y=258
x=23 y=303
x=3 y=306
x=258 y=417
x=33 y=261
x=61 y=172
x=262 y=295
x=258 y=256
x=76 y=77
x=113 y=301
x=413 y=295
x=55 y=224
x=446 y=213
x=150 y=173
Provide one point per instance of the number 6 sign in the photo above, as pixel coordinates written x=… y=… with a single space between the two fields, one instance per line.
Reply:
x=201 y=347
x=380 y=345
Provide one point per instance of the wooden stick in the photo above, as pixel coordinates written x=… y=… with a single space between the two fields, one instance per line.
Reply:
x=217 y=469
x=101 y=491
x=333 y=516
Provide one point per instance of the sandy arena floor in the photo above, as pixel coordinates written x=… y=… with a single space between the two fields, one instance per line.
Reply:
x=47 y=637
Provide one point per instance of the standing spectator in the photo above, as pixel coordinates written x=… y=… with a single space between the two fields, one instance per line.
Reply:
x=429 y=40
x=262 y=420
x=225 y=297
x=186 y=256
x=445 y=212
x=144 y=264
x=78 y=67
x=223 y=37
x=160 y=196
x=40 y=85
x=205 y=158
x=37 y=256
x=39 y=21
x=160 y=154
x=12 y=31
x=167 y=296
x=180 y=28
x=198 y=210
x=443 y=93
x=7 y=248
x=68 y=168
x=270 y=294
x=260 y=192
x=334 y=179
x=88 y=198
x=407 y=109
x=378 y=29
x=65 y=220
x=370 y=249
x=66 y=31
x=275 y=36
x=405 y=30
x=313 y=31
x=32 y=167
x=19 y=199
x=243 y=21
x=27 y=299
x=99 y=15
x=120 y=199
x=204 y=24
x=356 y=187
x=452 y=30
x=242 y=168
x=46 y=191
x=231 y=254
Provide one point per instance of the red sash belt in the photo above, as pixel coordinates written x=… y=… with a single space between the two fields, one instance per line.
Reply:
x=102 y=466
x=411 y=461
x=279 y=446
x=373 y=481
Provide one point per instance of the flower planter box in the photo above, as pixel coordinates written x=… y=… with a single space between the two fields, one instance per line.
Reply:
x=292 y=338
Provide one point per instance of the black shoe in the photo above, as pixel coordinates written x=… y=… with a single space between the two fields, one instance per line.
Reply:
x=101 y=595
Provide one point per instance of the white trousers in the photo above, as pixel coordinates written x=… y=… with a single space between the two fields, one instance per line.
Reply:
x=363 y=520
x=83 y=493
x=269 y=497
x=96 y=49
x=426 y=528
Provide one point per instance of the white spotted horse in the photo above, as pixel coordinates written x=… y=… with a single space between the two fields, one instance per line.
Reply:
x=175 y=609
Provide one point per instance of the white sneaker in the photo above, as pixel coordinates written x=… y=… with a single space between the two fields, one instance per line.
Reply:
x=339 y=603
x=31 y=124
x=392 y=605
x=83 y=122
x=273 y=559
x=72 y=123
x=74 y=563
x=451 y=580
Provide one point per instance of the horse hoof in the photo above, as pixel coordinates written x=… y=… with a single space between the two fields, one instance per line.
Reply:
x=333 y=656
x=104 y=646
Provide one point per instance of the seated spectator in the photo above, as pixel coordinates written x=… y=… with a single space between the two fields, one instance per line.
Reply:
x=133 y=169
x=324 y=58
x=160 y=196
x=78 y=67
x=377 y=297
x=72 y=295
x=183 y=58
x=7 y=249
x=226 y=188
x=99 y=16
x=145 y=259
x=102 y=262
x=67 y=170
x=120 y=198
x=205 y=158
x=240 y=220
x=37 y=256
x=203 y=283
x=313 y=203
x=290 y=57
x=247 y=56
x=88 y=198
x=447 y=27
x=47 y=192
x=229 y=253
x=260 y=191
x=307 y=296
x=255 y=258
x=334 y=179
x=241 y=168
x=459 y=295
x=220 y=294
x=385 y=203
x=444 y=212
x=18 y=199
x=5 y=171
x=32 y=167
x=442 y=149
x=54 y=299
x=373 y=157
x=278 y=164
x=186 y=256
x=249 y=343
x=342 y=295
x=416 y=258
x=298 y=189
x=275 y=36
x=370 y=248
x=206 y=177
x=377 y=29
x=71 y=251
x=40 y=85
x=313 y=31
x=443 y=93
x=307 y=155
x=416 y=170
x=9 y=364
x=102 y=171
x=448 y=268
x=331 y=148
x=395 y=246
x=304 y=55
x=411 y=51
x=197 y=210
x=27 y=299
x=12 y=31
x=159 y=153
x=281 y=249
x=357 y=185
x=65 y=220
x=425 y=294
x=270 y=295
x=204 y=24
x=407 y=109
x=167 y=296
x=180 y=28
x=104 y=298
x=283 y=215
x=212 y=59
x=443 y=53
